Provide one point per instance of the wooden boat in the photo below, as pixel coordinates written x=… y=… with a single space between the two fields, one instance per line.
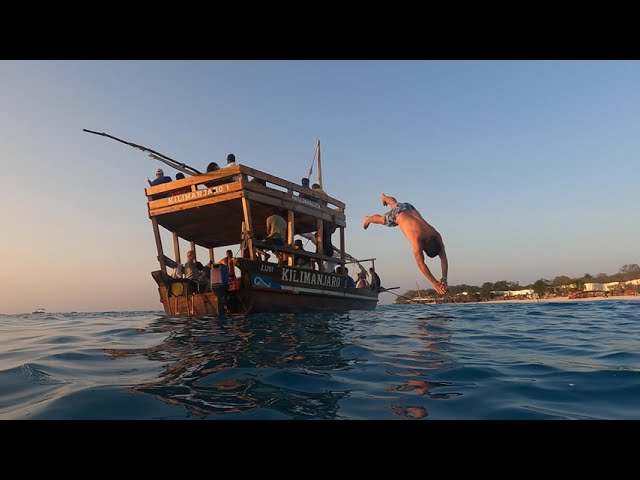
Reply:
x=424 y=300
x=225 y=208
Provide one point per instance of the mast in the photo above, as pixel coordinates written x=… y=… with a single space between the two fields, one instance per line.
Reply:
x=319 y=165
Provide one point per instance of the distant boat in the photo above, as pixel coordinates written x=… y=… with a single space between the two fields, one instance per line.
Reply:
x=39 y=310
x=424 y=300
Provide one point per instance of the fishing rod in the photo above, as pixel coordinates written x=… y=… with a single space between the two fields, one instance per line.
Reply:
x=383 y=290
x=182 y=167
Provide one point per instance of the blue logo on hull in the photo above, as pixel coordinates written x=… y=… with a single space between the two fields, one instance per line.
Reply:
x=263 y=282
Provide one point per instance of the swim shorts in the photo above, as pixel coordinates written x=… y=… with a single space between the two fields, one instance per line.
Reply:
x=391 y=216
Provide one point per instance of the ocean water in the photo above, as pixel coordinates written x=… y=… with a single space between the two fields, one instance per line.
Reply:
x=417 y=362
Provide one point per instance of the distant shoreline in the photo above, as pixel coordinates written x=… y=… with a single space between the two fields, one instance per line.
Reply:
x=565 y=299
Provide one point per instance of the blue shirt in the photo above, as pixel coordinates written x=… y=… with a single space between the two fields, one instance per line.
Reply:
x=160 y=181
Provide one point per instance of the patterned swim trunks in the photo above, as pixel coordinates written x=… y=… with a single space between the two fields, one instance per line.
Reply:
x=391 y=216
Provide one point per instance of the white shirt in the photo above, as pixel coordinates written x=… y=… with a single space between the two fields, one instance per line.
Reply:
x=236 y=178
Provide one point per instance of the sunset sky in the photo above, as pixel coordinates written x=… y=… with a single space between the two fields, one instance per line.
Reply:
x=528 y=169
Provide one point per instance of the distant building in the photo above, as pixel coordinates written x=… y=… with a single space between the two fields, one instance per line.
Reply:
x=527 y=292
x=607 y=287
x=595 y=287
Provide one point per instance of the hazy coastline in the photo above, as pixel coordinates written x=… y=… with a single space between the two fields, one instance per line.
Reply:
x=566 y=299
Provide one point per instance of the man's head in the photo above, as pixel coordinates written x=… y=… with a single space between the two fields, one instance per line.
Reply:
x=179 y=176
x=159 y=173
x=432 y=246
x=315 y=186
x=229 y=253
x=297 y=244
x=191 y=255
x=231 y=159
x=212 y=167
x=371 y=270
x=305 y=182
x=200 y=266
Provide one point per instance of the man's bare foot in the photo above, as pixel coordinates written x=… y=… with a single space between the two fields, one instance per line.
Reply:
x=365 y=225
x=384 y=202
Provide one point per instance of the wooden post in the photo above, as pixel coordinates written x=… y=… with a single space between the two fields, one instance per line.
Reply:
x=290 y=234
x=156 y=234
x=243 y=243
x=212 y=258
x=319 y=166
x=373 y=264
x=246 y=207
x=320 y=247
x=176 y=247
x=193 y=247
x=342 y=244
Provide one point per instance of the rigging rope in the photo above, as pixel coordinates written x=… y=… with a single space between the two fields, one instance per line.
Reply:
x=315 y=154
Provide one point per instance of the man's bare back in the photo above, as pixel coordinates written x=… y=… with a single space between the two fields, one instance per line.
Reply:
x=422 y=236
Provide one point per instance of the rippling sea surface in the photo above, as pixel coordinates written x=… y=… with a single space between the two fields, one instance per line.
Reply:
x=484 y=361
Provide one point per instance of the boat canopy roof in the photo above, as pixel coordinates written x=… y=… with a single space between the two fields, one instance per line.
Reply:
x=209 y=208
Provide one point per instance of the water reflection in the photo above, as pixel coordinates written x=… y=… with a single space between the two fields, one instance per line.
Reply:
x=279 y=364
x=417 y=388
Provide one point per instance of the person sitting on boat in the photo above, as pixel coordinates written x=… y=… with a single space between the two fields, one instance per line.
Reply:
x=376 y=283
x=230 y=263
x=350 y=282
x=276 y=228
x=305 y=184
x=301 y=260
x=205 y=277
x=362 y=281
x=316 y=188
x=159 y=180
x=231 y=161
x=212 y=167
x=180 y=176
x=192 y=271
x=276 y=233
x=328 y=229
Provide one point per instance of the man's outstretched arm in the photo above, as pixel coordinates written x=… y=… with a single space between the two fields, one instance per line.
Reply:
x=444 y=263
x=418 y=253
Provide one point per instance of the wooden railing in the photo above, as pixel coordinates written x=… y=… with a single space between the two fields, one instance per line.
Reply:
x=220 y=185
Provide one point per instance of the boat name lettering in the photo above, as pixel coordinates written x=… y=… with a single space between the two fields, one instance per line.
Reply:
x=310 y=278
x=306 y=201
x=184 y=197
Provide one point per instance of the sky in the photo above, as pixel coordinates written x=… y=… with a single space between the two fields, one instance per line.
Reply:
x=528 y=169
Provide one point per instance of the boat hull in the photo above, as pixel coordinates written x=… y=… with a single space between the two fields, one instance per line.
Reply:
x=265 y=287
